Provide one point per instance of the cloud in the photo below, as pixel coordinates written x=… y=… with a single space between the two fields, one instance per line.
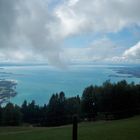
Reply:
x=131 y=55
x=98 y=51
x=30 y=31
x=7 y=21
x=98 y=15
x=133 y=52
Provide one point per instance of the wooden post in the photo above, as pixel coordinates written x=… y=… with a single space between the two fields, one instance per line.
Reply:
x=75 y=127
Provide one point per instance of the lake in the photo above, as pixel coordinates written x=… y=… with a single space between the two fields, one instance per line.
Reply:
x=39 y=82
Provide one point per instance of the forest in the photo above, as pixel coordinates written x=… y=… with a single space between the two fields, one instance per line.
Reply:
x=105 y=102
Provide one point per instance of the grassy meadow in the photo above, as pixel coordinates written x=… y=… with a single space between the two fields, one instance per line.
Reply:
x=126 y=129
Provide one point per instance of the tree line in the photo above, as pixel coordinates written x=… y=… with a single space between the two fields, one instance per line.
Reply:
x=108 y=101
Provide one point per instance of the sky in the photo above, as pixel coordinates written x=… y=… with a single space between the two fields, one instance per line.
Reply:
x=63 y=32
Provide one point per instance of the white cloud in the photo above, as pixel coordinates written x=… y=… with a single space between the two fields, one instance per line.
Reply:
x=98 y=15
x=131 y=55
x=30 y=31
x=99 y=50
x=133 y=52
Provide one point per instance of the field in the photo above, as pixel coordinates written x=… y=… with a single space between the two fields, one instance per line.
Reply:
x=126 y=129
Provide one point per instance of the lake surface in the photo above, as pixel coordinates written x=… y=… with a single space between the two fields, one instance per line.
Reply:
x=41 y=81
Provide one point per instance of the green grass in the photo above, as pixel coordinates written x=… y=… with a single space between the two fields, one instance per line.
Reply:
x=127 y=129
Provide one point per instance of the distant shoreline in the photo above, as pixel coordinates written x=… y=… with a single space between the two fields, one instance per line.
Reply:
x=127 y=71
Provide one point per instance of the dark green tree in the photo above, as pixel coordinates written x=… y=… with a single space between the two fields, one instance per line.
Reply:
x=89 y=102
x=11 y=115
x=1 y=111
x=56 y=111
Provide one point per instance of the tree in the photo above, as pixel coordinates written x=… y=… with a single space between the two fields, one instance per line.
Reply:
x=56 y=112
x=118 y=99
x=73 y=107
x=24 y=110
x=11 y=115
x=89 y=102
x=1 y=111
